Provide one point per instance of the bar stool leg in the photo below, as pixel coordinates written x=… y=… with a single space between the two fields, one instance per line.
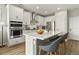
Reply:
x=50 y=53
x=55 y=53
x=63 y=48
x=39 y=51
x=59 y=50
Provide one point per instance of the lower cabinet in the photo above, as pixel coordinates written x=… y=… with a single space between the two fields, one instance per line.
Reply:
x=15 y=41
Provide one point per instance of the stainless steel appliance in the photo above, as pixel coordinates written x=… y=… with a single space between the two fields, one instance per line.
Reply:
x=15 y=29
x=48 y=26
x=2 y=34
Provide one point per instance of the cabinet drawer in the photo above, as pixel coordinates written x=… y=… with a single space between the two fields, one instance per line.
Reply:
x=15 y=41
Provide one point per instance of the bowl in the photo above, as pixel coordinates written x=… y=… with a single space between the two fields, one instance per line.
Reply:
x=40 y=31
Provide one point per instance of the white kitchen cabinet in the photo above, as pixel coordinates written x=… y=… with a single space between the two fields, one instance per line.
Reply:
x=2 y=8
x=15 y=41
x=0 y=14
x=16 y=13
x=29 y=45
x=40 y=20
x=49 y=19
x=27 y=16
x=61 y=21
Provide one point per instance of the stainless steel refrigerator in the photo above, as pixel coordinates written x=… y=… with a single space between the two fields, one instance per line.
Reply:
x=50 y=26
x=3 y=35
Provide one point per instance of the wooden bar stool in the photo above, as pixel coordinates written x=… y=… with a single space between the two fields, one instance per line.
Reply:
x=63 y=44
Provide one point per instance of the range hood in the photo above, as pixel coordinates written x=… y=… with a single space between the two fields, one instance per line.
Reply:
x=34 y=17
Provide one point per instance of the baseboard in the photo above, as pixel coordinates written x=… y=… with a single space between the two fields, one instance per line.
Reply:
x=15 y=44
x=74 y=39
x=3 y=44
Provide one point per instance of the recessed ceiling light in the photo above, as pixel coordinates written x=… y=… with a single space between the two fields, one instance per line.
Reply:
x=58 y=8
x=46 y=11
x=37 y=7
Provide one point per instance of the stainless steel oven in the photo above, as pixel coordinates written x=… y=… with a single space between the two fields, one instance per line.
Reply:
x=15 y=29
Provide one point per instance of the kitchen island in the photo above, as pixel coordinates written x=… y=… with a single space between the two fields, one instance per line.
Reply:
x=31 y=40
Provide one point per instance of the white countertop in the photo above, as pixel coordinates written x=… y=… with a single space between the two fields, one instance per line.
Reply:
x=44 y=36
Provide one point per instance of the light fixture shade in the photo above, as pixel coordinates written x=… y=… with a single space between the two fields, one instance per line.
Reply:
x=37 y=7
x=58 y=8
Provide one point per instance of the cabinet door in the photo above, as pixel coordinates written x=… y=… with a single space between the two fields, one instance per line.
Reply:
x=16 y=13
x=12 y=12
x=49 y=19
x=19 y=13
x=0 y=14
x=26 y=18
x=29 y=44
x=40 y=20
x=61 y=21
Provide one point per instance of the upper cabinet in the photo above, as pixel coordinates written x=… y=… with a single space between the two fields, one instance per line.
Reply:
x=61 y=21
x=40 y=20
x=49 y=19
x=16 y=13
x=37 y=20
x=27 y=16
x=2 y=12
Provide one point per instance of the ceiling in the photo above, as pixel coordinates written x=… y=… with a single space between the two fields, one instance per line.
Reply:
x=48 y=9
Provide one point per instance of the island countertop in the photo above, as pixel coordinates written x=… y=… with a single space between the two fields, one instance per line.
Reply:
x=31 y=40
x=43 y=36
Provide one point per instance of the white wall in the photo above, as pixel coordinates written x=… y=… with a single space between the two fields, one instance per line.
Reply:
x=74 y=24
x=61 y=21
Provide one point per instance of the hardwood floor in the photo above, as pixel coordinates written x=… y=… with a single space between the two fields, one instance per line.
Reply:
x=14 y=50
x=72 y=47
